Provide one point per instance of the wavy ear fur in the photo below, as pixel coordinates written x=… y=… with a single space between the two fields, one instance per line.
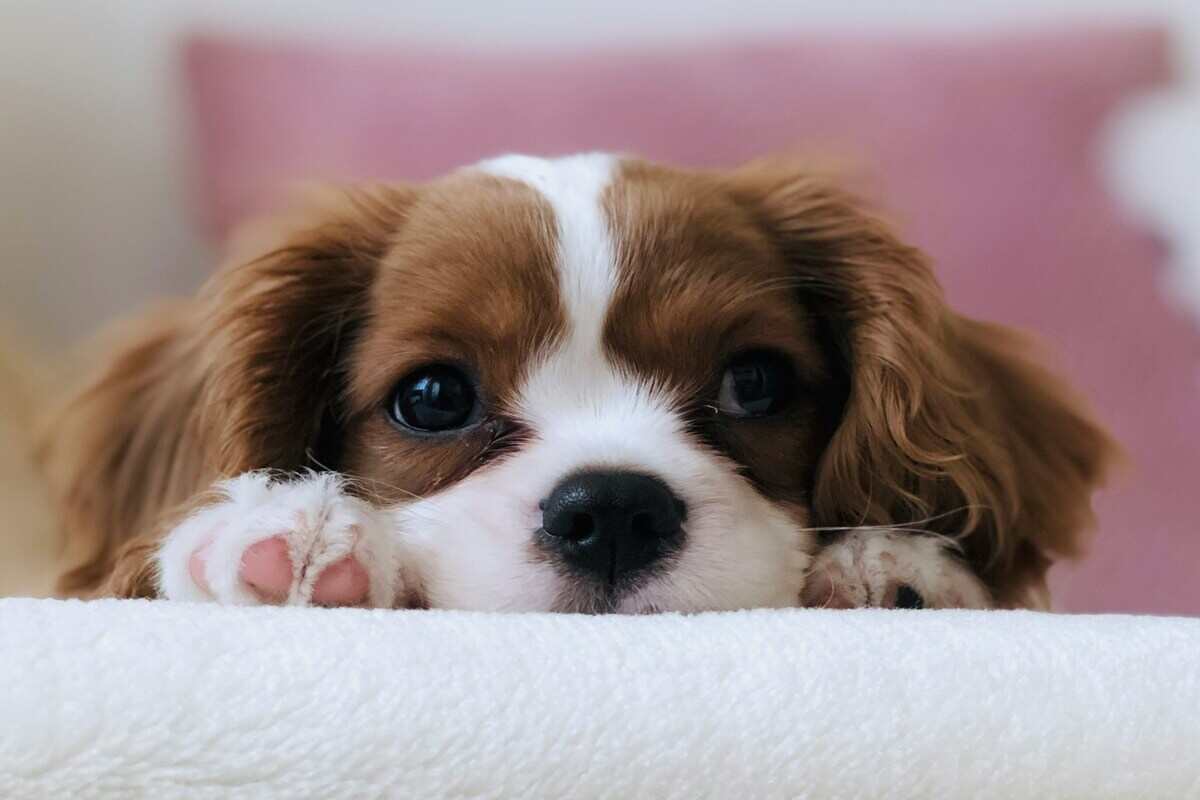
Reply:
x=950 y=424
x=244 y=376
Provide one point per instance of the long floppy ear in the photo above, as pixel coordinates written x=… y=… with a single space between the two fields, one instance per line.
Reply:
x=278 y=327
x=949 y=424
x=243 y=376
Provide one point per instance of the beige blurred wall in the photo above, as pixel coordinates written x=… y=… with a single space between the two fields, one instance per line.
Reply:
x=29 y=541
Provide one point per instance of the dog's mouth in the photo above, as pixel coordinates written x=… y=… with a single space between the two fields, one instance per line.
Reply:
x=588 y=595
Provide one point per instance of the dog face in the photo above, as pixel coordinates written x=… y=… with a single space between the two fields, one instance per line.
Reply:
x=597 y=379
x=594 y=384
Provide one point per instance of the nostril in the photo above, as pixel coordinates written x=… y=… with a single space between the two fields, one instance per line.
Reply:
x=582 y=526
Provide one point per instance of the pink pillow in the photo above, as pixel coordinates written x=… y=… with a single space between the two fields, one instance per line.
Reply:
x=985 y=148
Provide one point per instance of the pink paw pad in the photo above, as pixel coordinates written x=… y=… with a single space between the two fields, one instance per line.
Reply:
x=342 y=583
x=267 y=570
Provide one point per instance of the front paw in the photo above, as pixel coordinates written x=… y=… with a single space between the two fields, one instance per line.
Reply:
x=886 y=569
x=296 y=542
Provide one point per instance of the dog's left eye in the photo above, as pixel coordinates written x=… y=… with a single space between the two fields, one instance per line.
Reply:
x=434 y=398
x=755 y=384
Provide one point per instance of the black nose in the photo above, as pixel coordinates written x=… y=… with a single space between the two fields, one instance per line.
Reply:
x=611 y=524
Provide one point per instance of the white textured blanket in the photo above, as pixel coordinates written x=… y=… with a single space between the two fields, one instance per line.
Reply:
x=137 y=699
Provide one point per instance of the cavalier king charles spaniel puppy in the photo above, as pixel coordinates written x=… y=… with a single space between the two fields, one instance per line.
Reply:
x=583 y=384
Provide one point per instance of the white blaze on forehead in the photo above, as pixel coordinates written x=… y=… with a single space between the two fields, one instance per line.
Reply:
x=575 y=397
x=587 y=270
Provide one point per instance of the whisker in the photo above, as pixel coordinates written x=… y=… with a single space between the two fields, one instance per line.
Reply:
x=922 y=521
x=912 y=526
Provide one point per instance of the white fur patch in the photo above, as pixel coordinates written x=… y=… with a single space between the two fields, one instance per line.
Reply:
x=587 y=270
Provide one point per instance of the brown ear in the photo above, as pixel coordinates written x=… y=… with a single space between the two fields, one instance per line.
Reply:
x=949 y=424
x=278 y=327
x=244 y=376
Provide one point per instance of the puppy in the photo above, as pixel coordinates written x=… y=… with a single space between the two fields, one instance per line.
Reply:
x=583 y=384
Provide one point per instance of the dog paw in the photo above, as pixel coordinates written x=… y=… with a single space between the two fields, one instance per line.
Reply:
x=871 y=567
x=286 y=542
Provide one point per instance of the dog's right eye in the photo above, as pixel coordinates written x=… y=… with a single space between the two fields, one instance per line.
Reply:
x=755 y=384
x=434 y=399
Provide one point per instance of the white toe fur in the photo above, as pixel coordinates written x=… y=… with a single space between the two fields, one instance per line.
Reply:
x=865 y=567
x=317 y=520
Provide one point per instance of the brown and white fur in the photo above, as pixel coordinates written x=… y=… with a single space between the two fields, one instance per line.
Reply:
x=237 y=448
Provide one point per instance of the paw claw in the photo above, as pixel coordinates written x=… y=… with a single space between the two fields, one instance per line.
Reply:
x=906 y=597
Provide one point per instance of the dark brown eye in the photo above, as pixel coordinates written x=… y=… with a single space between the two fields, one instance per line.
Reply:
x=433 y=399
x=755 y=384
